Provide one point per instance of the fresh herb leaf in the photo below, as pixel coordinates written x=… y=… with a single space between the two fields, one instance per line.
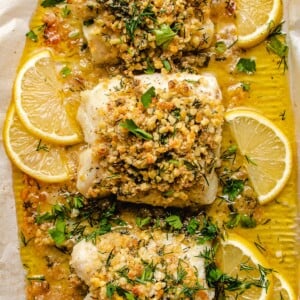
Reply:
x=137 y=19
x=192 y=226
x=141 y=222
x=147 y=96
x=65 y=72
x=58 y=233
x=181 y=273
x=164 y=35
x=220 y=47
x=110 y=290
x=65 y=12
x=148 y=273
x=32 y=36
x=130 y=125
x=246 y=65
x=174 y=221
x=167 y=65
x=150 y=68
x=245 y=86
x=209 y=231
x=51 y=3
x=232 y=188
x=44 y=218
x=279 y=48
x=243 y=220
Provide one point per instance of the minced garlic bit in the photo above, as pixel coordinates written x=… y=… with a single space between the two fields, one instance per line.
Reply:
x=152 y=139
x=144 y=34
x=142 y=265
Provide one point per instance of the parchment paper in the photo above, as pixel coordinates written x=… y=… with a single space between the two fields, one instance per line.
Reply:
x=14 y=18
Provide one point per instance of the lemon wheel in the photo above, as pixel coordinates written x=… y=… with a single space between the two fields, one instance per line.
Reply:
x=266 y=150
x=255 y=20
x=242 y=261
x=39 y=101
x=40 y=160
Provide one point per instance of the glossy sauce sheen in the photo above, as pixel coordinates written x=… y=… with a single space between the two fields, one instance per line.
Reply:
x=269 y=94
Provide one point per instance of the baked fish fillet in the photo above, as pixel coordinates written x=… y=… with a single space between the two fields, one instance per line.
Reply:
x=142 y=265
x=135 y=32
x=152 y=139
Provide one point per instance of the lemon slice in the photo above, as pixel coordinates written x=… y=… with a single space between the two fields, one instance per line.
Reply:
x=42 y=161
x=241 y=260
x=267 y=151
x=39 y=101
x=282 y=289
x=255 y=19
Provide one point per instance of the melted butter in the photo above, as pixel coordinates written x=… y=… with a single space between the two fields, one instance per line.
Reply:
x=269 y=94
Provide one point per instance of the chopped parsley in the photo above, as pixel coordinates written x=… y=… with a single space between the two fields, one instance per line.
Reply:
x=71 y=219
x=232 y=188
x=192 y=226
x=32 y=36
x=246 y=65
x=147 y=97
x=167 y=65
x=245 y=86
x=65 y=72
x=141 y=222
x=174 y=221
x=279 y=48
x=65 y=12
x=243 y=220
x=130 y=125
x=150 y=68
x=51 y=3
x=164 y=35
x=58 y=233
x=220 y=47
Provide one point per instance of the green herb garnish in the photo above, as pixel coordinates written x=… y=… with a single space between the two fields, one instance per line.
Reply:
x=58 y=233
x=147 y=96
x=65 y=72
x=279 y=48
x=141 y=222
x=32 y=36
x=232 y=188
x=167 y=65
x=246 y=65
x=65 y=12
x=133 y=128
x=220 y=47
x=245 y=86
x=137 y=19
x=174 y=221
x=51 y=3
x=164 y=35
